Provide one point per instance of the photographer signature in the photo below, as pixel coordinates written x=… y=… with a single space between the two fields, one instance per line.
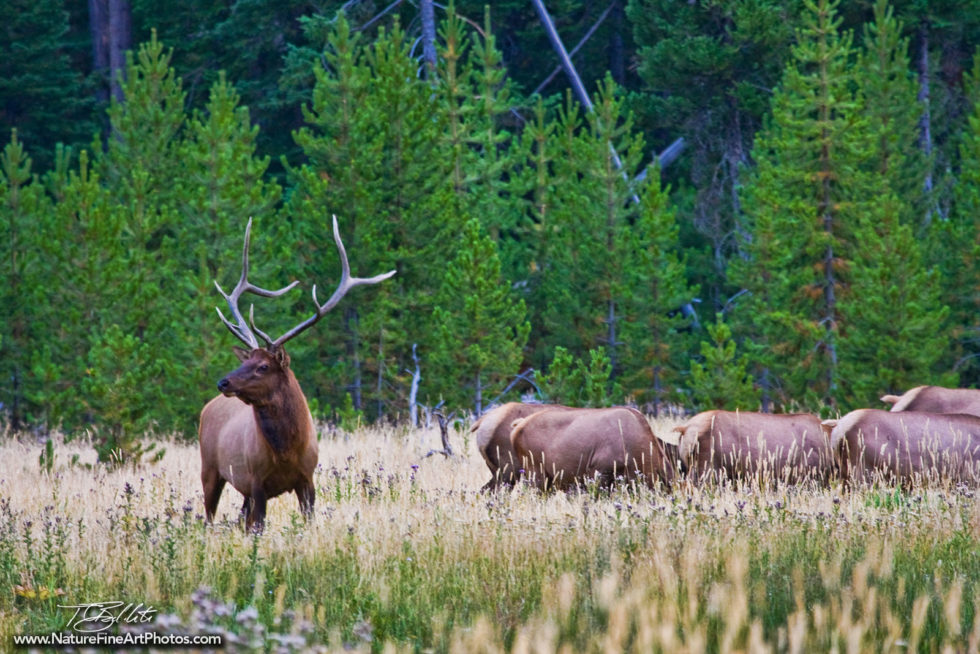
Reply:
x=99 y=616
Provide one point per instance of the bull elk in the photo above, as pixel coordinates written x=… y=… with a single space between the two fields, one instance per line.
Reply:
x=258 y=433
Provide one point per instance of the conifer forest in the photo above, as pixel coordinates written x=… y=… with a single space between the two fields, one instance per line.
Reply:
x=761 y=204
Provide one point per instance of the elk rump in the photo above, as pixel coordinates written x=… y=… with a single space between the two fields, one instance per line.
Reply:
x=492 y=433
x=936 y=399
x=560 y=449
x=905 y=446
x=787 y=448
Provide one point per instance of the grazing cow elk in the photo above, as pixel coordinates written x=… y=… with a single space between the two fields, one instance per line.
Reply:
x=735 y=444
x=936 y=399
x=559 y=449
x=258 y=434
x=493 y=440
x=906 y=446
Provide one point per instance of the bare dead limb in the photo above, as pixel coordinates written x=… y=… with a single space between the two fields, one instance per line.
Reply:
x=447 y=450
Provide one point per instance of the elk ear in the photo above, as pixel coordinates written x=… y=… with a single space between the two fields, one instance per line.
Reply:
x=281 y=357
x=241 y=353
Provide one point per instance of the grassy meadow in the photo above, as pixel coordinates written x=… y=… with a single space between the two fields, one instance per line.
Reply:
x=404 y=554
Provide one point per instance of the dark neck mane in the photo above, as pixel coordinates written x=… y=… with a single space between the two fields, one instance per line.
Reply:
x=282 y=420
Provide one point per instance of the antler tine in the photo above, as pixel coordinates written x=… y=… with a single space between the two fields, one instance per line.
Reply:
x=241 y=330
x=346 y=283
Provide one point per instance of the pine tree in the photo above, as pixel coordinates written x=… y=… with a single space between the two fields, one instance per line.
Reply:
x=26 y=293
x=574 y=382
x=955 y=244
x=482 y=329
x=373 y=160
x=655 y=331
x=707 y=68
x=493 y=155
x=894 y=326
x=893 y=112
x=892 y=312
x=140 y=158
x=41 y=95
x=542 y=232
x=137 y=171
x=582 y=286
x=85 y=248
x=720 y=380
x=801 y=205
x=221 y=184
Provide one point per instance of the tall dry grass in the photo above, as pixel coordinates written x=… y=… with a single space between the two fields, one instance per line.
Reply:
x=404 y=554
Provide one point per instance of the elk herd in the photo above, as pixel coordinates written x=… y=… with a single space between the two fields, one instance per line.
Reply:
x=931 y=433
x=258 y=434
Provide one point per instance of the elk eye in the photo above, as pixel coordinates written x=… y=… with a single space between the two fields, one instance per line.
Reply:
x=264 y=367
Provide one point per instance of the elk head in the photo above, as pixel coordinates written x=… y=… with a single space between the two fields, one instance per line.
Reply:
x=257 y=377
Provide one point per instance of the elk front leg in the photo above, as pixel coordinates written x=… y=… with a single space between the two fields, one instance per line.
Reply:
x=255 y=518
x=213 y=485
x=306 y=494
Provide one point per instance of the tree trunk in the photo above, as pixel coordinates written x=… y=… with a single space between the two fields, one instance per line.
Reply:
x=766 y=397
x=98 y=22
x=617 y=50
x=611 y=321
x=478 y=397
x=428 y=17
x=381 y=370
x=830 y=291
x=925 y=122
x=120 y=40
x=351 y=320
x=111 y=31
x=413 y=407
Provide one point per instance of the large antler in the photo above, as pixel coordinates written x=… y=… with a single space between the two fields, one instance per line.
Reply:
x=346 y=283
x=247 y=334
x=242 y=331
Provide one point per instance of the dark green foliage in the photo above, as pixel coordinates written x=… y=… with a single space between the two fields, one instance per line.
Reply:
x=481 y=327
x=831 y=258
x=41 y=94
x=584 y=257
x=889 y=91
x=121 y=369
x=575 y=382
x=372 y=146
x=657 y=335
x=707 y=69
x=720 y=380
x=892 y=314
x=801 y=205
x=955 y=244
x=23 y=208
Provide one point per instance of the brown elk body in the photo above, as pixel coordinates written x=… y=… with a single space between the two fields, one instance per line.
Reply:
x=258 y=435
x=736 y=444
x=492 y=432
x=905 y=446
x=936 y=399
x=560 y=449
